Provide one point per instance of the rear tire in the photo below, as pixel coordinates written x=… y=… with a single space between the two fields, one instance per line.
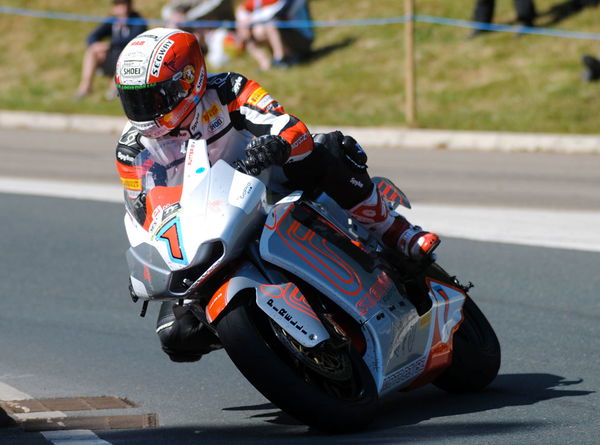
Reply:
x=341 y=397
x=476 y=354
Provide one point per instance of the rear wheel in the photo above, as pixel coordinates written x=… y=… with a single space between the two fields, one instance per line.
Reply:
x=476 y=354
x=328 y=387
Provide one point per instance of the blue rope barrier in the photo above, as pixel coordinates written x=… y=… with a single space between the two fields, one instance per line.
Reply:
x=315 y=23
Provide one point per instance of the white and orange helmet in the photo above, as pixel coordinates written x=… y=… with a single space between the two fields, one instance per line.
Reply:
x=160 y=76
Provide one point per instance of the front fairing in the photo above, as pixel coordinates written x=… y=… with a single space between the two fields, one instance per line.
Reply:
x=190 y=218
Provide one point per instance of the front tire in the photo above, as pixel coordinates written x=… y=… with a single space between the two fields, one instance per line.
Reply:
x=339 y=397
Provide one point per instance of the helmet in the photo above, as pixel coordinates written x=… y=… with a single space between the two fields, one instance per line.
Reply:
x=160 y=77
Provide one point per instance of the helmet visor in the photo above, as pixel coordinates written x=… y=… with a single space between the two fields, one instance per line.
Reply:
x=151 y=101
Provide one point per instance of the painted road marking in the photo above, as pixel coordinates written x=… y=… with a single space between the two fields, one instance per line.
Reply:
x=577 y=230
x=73 y=437
x=47 y=416
x=67 y=404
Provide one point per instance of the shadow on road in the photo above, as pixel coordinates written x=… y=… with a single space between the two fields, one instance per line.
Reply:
x=506 y=390
x=400 y=414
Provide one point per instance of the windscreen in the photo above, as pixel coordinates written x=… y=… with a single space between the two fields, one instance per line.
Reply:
x=159 y=174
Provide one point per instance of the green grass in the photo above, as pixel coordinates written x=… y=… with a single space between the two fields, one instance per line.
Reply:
x=493 y=82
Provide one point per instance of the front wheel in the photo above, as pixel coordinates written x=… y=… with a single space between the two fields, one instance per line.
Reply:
x=328 y=387
x=475 y=356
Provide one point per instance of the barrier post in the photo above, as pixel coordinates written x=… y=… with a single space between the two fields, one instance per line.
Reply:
x=410 y=106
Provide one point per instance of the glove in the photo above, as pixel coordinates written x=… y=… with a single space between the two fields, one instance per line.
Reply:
x=265 y=151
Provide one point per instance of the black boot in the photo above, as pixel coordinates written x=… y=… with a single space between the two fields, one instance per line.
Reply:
x=184 y=338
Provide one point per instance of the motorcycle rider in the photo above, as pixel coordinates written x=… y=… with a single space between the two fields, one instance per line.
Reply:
x=169 y=98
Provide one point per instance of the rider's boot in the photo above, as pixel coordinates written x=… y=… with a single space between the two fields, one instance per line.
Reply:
x=393 y=229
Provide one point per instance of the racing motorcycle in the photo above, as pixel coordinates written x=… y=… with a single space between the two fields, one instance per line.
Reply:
x=321 y=318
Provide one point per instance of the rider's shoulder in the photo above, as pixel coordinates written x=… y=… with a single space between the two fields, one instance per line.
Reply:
x=228 y=85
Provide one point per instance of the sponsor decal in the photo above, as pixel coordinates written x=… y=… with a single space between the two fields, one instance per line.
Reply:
x=196 y=121
x=356 y=182
x=132 y=71
x=300 y=140
x=190 y=155
x=215 y=124
x=247 y=190
x=160 y=56
x=256 y=96
x=374 y=294
x=405 y=373
x=125 y=158
x=237 y=85
x=132 y=184
x=200 y=170
x=188 y=74
x=170 y=118
x=200 y=83
x=215 y=206
x=265 y=101
x=211 y=113
x=138 y=42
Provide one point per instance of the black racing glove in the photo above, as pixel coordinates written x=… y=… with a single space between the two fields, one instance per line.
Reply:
x=264 y=151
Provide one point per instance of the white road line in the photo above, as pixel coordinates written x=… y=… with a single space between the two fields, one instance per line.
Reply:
x=62 y=189
x=74 y=437
x=66 y=437
x=7 y=392
x=577 y=230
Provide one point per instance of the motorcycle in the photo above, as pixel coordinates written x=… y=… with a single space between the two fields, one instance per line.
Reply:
x=319 y=316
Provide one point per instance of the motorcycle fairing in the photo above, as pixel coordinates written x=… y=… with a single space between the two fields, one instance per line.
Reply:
x=401 y=345
x=370 y=297
x=439 y=324
x=282 y=302
x=180 y=233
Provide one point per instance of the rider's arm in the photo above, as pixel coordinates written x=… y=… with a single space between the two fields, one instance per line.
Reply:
x=128 y=148
x=252 y=108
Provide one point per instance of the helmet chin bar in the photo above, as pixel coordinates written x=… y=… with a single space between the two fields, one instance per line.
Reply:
x=150 y=129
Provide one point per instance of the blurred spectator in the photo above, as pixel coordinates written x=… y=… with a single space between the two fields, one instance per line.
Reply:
x=484 y=12
x=256 y=26
x=218 y=44
x=591 y=68
x=104 y=54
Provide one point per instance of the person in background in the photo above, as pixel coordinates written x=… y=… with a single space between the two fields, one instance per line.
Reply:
x=591 y=68
x=256 y=27
x=219 y=44
x=484 y=13
x=103 y=54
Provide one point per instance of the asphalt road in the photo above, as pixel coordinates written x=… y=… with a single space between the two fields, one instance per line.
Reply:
x=68 y=328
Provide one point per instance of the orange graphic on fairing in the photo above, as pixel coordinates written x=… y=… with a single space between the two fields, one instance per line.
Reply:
x=171 y=235
x=375 y=294
x=311 y=249
x=217 y=303
x=440 y=353
x=291 y=295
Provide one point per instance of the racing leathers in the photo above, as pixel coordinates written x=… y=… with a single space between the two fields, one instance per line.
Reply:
x=233 y=112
